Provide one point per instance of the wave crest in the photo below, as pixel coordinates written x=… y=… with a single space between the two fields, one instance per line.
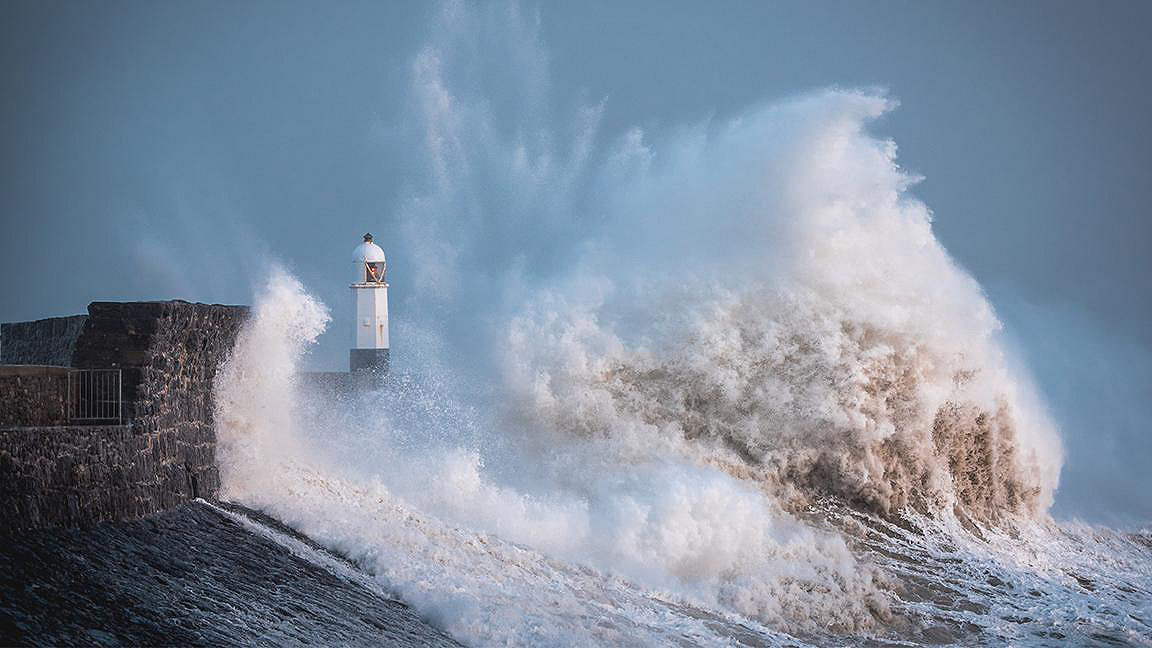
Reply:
x=837 y=349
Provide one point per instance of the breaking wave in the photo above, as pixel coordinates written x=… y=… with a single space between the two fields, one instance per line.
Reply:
x=383 y=478
x=715 y=387
x=857 y=360
x=671 y=429
x=503 y=529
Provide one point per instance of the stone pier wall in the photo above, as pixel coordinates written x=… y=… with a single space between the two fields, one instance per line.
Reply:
x=42 y=342
x=33 y=395
x=165 y=453
x=81 y=475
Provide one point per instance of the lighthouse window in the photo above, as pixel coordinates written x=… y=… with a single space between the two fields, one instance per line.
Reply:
x=374 y=272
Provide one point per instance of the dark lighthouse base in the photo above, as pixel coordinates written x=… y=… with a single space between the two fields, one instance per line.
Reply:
x=368 y=360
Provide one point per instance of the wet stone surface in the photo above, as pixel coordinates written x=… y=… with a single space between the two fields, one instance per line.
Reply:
x=191 y=576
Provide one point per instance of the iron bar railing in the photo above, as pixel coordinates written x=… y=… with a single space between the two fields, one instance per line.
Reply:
x=95 y=395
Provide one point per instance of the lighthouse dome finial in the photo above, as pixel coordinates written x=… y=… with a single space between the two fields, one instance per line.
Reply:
x=367 y=252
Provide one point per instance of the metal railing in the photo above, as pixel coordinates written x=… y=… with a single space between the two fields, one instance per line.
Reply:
x=95 y=395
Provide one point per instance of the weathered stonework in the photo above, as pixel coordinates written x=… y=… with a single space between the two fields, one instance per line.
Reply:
x=33 y=395
x=169 y=353
x=42 y=342
x=80 y=475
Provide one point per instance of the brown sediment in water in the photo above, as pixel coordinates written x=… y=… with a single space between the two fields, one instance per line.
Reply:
x=861 y=422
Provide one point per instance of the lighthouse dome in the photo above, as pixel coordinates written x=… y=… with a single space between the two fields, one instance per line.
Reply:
x=368 y=252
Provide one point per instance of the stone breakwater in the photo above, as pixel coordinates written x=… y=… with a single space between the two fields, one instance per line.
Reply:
x=163 y=454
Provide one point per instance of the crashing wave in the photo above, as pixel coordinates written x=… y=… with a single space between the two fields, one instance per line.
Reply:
x=692 y=342
x=807 y=403
x=829 y=346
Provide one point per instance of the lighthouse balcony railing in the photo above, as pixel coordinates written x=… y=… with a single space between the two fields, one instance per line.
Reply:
x=95 y=396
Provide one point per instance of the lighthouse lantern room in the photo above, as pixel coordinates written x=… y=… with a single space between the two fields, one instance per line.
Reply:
x=370 y=297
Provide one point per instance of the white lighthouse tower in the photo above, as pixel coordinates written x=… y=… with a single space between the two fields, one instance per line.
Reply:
x=370 y=296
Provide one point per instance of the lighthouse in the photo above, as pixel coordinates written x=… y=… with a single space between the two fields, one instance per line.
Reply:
x=370 y=298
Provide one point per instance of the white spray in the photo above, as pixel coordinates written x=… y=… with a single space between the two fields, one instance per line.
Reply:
x=692 y=338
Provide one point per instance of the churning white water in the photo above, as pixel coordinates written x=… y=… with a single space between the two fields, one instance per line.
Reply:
x=724 y=387
x=523 y=544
